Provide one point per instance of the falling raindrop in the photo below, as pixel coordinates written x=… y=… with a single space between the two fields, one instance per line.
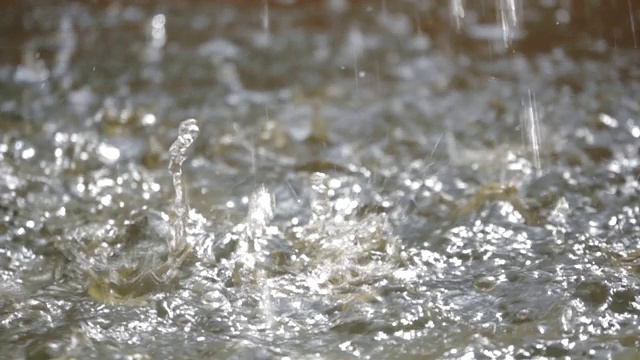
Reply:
x=356 y=71
x=67 y=41
x=508 y=14
x=156 y=38
x=633 y=24
x=157 y=32
x=265 y=17
x=456 y=9
x=531 y=129
x=187 y=134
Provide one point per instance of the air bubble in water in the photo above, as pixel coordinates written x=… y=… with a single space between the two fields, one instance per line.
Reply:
x=485 y=283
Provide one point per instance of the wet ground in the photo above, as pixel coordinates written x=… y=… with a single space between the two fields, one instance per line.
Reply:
x=362 y=179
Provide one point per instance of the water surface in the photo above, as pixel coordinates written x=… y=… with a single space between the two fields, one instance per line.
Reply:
x=362 y=179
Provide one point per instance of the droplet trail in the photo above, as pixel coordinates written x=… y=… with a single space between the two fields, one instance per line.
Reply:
x=530 y=124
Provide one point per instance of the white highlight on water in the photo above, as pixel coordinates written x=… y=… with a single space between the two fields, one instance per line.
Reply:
x=187 y=134
x=530 y=125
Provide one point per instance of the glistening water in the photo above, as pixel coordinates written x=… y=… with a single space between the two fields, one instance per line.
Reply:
x=337 y=179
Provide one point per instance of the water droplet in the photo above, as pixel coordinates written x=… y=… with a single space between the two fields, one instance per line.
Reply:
x=608 y=120
x=28 y=153
x=523 y=315
x=157 y=31
x=148 y=120
x=108 y=153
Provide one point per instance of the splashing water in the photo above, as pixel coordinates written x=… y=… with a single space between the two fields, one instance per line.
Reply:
x=254 y=233
x=187 y=134
x=259 y=216
x=148 y=254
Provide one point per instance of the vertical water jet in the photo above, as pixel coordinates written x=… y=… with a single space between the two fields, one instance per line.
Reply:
x=259 y=216
x=187 y=134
